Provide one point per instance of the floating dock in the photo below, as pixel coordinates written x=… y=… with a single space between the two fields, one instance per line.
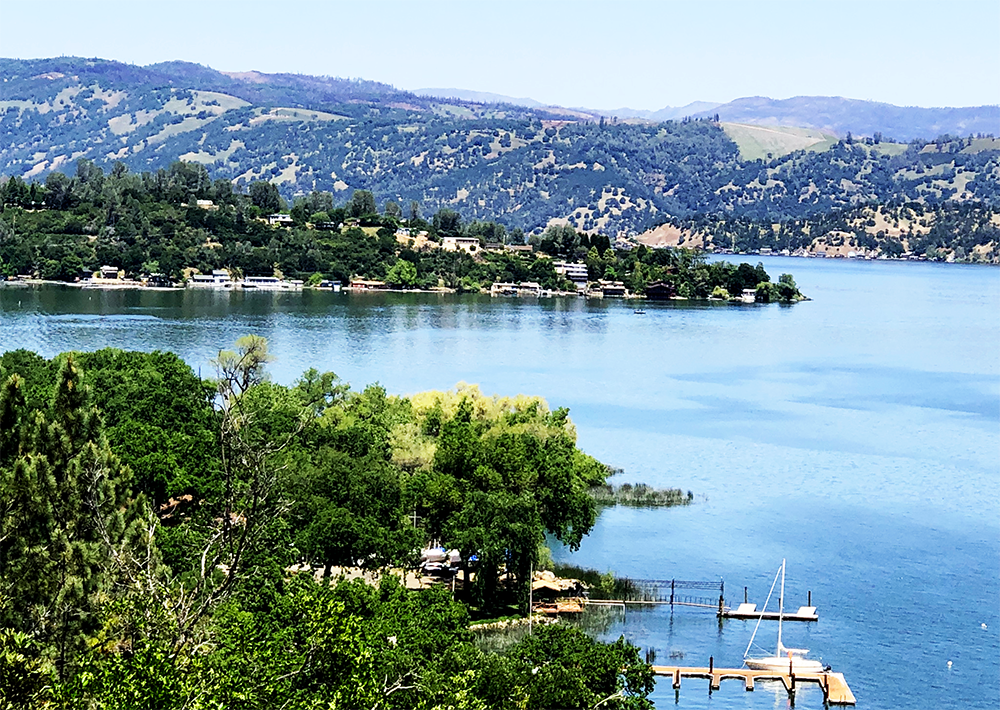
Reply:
x=749 y=611
x=835 y=688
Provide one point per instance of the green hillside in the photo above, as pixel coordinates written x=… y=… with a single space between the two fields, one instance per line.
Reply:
x=525 y=167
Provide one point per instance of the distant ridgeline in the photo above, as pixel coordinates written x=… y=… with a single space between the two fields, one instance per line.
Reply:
x=523 y=167
x=174 y=221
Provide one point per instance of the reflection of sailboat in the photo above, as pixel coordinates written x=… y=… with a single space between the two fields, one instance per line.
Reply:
x=784 y=659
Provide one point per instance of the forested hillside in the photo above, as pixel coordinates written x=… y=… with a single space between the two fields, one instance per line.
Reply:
x=523 y=167
x=942 y=232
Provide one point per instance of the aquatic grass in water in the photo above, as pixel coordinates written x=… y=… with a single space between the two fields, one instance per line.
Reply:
x=639 y=495
x=599 y=585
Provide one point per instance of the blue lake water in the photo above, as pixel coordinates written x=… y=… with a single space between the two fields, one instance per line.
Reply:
x=856 y=435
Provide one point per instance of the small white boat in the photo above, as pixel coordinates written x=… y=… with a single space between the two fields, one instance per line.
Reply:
x=784 y=660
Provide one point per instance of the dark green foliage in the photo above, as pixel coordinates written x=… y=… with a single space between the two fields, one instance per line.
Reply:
x=157 y=415
x=313 y=473
x=561 y=667
x=62 y=494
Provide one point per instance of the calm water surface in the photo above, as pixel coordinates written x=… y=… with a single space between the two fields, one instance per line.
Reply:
x=857 y=435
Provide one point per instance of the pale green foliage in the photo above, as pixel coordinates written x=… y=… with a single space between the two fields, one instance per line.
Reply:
x=529 y=412
x=411 y=448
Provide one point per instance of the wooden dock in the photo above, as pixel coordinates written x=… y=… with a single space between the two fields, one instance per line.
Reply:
x=835 y=688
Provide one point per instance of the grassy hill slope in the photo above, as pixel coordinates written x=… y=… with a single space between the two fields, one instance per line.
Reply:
x=767 y=142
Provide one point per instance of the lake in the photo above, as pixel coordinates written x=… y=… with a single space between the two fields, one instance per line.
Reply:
x=856 y=435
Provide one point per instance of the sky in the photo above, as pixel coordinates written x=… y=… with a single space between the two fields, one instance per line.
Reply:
x=641 y=54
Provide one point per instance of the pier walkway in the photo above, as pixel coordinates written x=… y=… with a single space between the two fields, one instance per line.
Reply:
x=651 y=592
x=835 y=688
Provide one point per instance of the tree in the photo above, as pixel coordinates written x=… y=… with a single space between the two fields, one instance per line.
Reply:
x=498 y=482
x=786 y=288
x=64 y=517
x=560 y=666
x=402 y=274
x=447 y=223
x=393 y=210
x=362 y=203
x=265 y=196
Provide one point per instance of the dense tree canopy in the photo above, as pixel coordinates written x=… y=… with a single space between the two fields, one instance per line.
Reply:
x=159 y=534
x=153 y=222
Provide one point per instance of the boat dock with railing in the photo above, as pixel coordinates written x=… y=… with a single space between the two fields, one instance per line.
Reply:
x=688 y=593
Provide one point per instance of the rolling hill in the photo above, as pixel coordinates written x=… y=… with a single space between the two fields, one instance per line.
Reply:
x=525 y=166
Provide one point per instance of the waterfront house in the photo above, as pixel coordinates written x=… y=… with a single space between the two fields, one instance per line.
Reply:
x=661 y=289
x=577 y=273
x=503 y=288
x=524 y=288
x=613 y=289
x=368 y=285
x=109 y=273
x=159 y=281
x=219 y=278
x=270 y=283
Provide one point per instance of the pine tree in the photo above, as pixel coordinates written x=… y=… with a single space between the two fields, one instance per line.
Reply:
x=62 y=500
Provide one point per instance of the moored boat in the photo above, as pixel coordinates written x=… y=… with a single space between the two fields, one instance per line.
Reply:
x=791 y=660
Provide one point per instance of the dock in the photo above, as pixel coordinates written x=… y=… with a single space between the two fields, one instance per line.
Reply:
x=835 y=688
x=665 y=592
x=749 y=611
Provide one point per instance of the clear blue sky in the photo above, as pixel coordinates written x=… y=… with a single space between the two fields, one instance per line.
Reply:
x=640 y=54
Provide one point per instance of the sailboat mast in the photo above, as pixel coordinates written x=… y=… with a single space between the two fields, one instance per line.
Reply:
x=781 y=605
x=761 y=617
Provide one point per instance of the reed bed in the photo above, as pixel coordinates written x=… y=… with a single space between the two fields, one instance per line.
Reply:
x=639 y=495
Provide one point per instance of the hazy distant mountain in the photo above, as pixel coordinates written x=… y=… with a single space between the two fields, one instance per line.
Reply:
x=861 y=118
x=667 y=113
x=480 y=97
x=831 y=114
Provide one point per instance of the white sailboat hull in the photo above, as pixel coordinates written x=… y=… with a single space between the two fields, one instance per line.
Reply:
x=781 y=665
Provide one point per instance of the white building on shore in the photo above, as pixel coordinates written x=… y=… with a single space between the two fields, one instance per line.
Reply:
x=219 y=278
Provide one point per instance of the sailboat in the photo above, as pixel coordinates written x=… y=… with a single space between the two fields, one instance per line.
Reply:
x=784 y=659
